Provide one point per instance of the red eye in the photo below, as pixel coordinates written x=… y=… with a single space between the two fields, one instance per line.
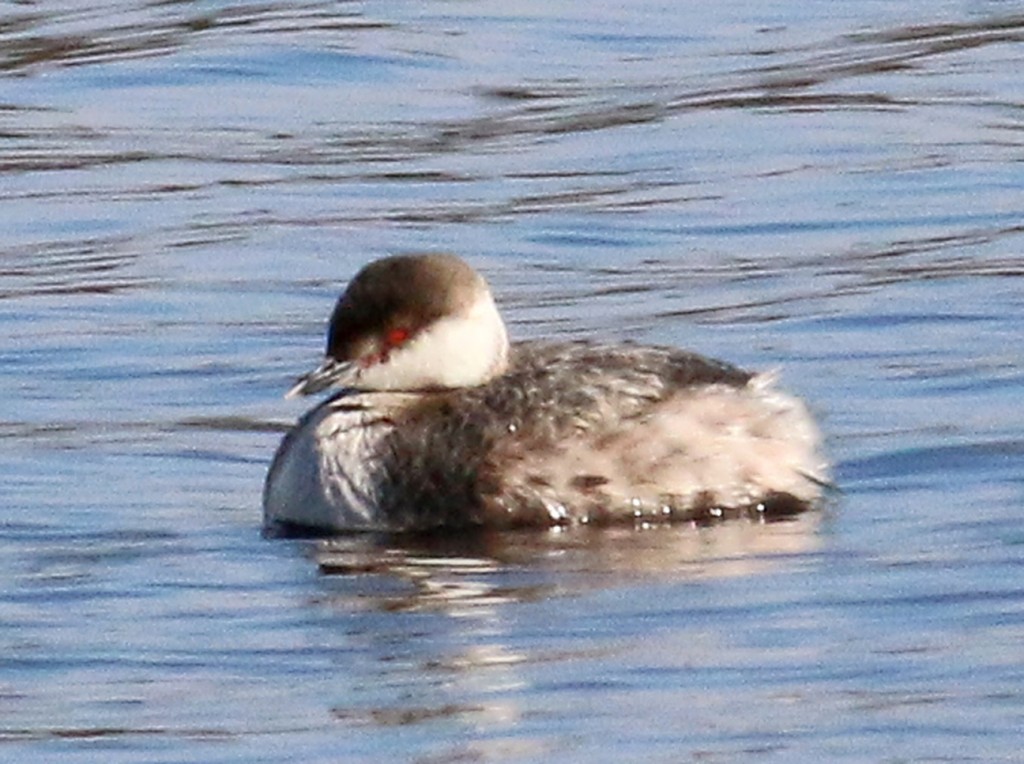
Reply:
x=397 y=336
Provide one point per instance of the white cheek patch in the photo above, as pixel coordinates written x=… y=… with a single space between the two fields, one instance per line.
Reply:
x=456 y=351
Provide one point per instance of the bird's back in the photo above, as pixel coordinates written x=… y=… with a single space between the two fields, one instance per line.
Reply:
x=588 y=433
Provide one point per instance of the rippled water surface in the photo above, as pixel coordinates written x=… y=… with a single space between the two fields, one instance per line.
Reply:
x=834 y=189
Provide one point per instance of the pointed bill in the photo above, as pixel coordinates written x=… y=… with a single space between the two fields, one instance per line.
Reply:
x=330 y=373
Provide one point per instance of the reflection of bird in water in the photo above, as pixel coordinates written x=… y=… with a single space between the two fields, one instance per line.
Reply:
x=481 y=659
x=468 y=571
x=440 y=422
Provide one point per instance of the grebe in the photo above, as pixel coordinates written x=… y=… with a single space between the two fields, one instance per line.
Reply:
x=441 y=423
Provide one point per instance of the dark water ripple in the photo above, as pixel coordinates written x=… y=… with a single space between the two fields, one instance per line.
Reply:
x=58 y=37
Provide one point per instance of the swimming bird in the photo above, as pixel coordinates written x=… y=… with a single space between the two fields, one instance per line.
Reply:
x=439 y=422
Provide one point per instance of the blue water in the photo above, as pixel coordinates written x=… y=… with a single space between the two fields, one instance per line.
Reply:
x=833 y=190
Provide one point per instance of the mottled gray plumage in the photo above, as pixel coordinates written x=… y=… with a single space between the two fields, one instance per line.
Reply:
x=446 y=462
x=444 y=424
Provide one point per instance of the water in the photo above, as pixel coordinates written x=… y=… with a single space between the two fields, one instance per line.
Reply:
x=830 y=189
